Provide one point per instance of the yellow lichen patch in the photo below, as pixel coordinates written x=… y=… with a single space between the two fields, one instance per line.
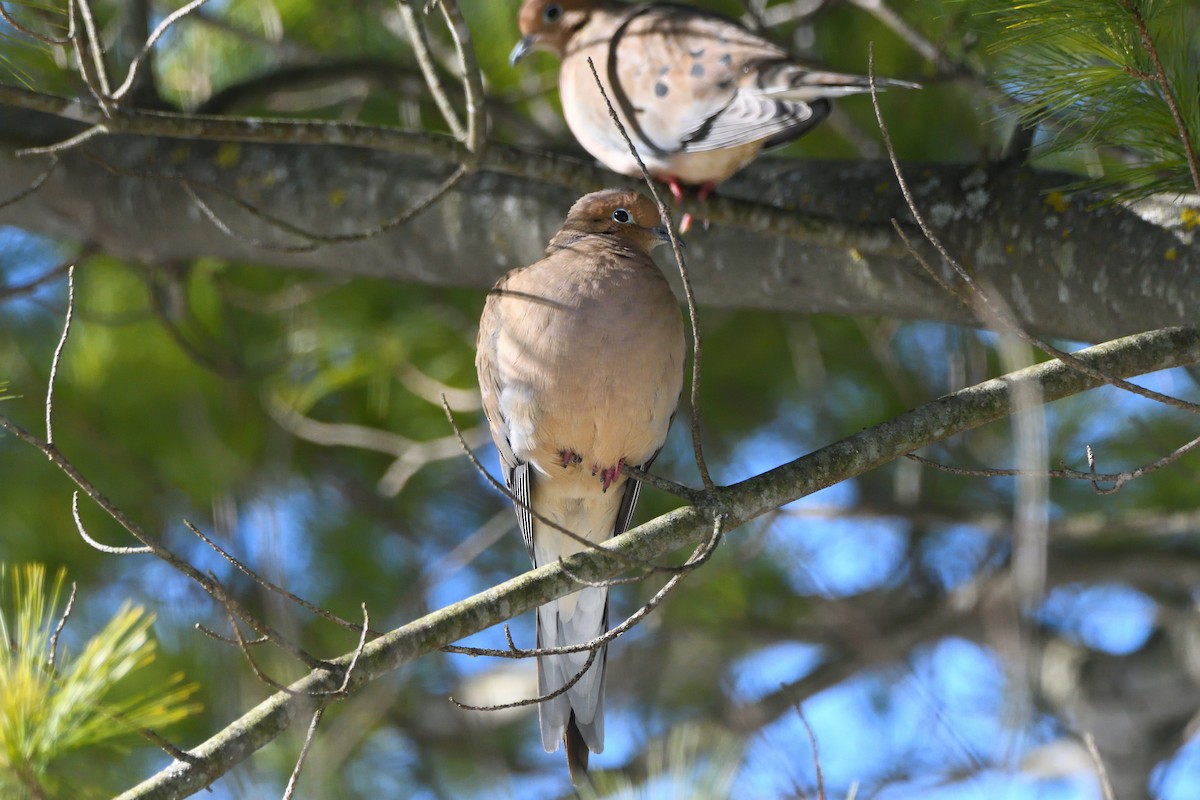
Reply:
x=1058 y=201
x=180 y=154
x=1190 y=217
x=337 y=197
x=855 y=255
x=1171 y=254
x=1010 y=248
x=1066 y=233
x=269 y=179
x=228 y=155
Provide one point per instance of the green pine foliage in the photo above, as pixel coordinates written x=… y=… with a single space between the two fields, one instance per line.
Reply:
x=1101 y=75
x=50 y=707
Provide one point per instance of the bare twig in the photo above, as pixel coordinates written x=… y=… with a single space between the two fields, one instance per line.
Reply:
x=272 y=587
x=245 y=648
x=33 y=284
x=1118 y=479
x=162 y=28
x=420 y=45
x=999 y=314
x=41 y=37
x=103 y=548
x=210 y=633
x=38 y=182
x=58 y=350
x=311 y=239
x=699 y=556
x=1160 y=78
x=409 y=455
x=1106 y=788
x=167 y=746
x=58 y=629
x=153 y=545
x=693 y=315
x=290 y=790
x=65 y=144
x=816 y=756
x=95 y=75
x=593 y=649
x=475 y=138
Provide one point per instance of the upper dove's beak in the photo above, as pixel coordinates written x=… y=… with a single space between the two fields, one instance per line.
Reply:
x=523 y=48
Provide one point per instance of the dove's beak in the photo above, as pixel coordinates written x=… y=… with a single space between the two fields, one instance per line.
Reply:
x=664 y=236
x=523 y=48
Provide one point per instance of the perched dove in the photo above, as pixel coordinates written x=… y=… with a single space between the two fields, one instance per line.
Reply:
x=699 y=95
x=580 y=360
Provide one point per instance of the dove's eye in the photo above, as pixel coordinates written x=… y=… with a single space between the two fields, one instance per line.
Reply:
x=552 y=12
x=621 y=215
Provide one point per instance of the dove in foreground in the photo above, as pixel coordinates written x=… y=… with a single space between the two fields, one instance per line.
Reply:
x=580 y=361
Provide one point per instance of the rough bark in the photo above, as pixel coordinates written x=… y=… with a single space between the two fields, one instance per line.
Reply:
x=816 y=238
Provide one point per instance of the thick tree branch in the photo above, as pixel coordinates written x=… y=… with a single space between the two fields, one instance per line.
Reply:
x=936 y=421
x=823 y=240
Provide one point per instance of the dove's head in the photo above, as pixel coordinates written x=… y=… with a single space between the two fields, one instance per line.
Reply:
x=629 y=216
x=549 y=25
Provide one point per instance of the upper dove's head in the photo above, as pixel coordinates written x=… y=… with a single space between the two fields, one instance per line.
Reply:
x=549 y=25
x=628 y=215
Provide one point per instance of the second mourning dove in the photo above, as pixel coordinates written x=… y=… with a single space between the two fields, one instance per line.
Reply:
x=699 y=95
x=580 y=360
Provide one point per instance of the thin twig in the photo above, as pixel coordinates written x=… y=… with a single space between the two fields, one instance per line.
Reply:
x=154 y=546
x=250 y=241
x=1106 y=788
x=38 y=182
x=475 y=139
x=311 y=239
x=32 y=285
x=531 y=701
x=16 y=24
x=272 y=587
x=420 y=44
x=58 y=629
x=62 y=342
x=168 y=747
x=358 y=651
x=64 y=145
x=100 y=89
x=103 y=548
x=699 y=556
x=1160 y=77
x=693 y=315
x=1000 y=315
x=170 y=20
x=210 y=633
x=245 y=648
x=308 y=740
x=1118 y=479
x=816 y=757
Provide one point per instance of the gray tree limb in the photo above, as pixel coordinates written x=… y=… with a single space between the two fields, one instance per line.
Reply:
x=815 y=237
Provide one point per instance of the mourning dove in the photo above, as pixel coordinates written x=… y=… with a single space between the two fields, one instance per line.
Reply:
x=699 y=95
x=580 y=361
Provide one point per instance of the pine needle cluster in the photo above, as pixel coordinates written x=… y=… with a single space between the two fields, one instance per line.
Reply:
x=53 y=704
x=1120 y=78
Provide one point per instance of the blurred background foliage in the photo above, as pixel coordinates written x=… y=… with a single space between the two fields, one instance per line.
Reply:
x=879 y=604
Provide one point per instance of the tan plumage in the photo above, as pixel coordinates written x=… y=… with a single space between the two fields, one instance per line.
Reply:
x=699 y=94
x=580 y=360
